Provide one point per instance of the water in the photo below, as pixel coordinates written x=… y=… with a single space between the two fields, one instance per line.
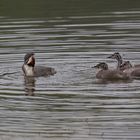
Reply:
x=72 y=104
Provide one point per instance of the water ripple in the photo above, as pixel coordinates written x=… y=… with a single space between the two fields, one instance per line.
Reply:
x=72 y=104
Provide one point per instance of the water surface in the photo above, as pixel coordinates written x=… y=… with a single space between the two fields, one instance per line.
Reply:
x=72 y=104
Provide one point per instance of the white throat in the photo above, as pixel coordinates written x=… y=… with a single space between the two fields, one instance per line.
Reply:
x=29 y=71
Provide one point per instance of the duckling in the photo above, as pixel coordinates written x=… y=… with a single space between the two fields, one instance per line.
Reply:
x=105 y=73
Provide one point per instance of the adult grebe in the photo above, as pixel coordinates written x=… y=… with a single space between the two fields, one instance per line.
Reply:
x=30 y=69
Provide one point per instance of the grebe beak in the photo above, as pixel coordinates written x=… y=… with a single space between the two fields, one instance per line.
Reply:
x=31 y=61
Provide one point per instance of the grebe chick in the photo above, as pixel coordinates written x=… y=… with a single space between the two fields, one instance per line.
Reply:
x=105 y=73
x=130 y=70
x=118 y=57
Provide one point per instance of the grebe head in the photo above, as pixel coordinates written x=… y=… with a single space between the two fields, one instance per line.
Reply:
x=126 y=65
x=102 y=66
x=29 y=59
x=116 y=56
x=29 y=63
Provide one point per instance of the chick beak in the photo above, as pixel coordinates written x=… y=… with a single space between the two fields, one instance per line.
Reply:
x=109 y=56
x=95 y=67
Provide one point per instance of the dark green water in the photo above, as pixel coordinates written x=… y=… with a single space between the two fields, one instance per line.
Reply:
x=70 y=36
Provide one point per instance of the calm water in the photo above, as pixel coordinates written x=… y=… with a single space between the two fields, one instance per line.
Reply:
x=72 y=104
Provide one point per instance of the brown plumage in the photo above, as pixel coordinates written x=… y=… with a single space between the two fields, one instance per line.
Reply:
x=130 y=70
x=105 y=73
x=117 y=57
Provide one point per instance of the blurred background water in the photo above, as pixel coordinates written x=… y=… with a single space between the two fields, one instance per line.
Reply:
x=71 y=36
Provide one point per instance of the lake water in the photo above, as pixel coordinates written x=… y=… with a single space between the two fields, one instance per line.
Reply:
x=72 y=37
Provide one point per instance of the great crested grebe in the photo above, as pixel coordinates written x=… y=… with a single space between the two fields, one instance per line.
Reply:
x=30 y=69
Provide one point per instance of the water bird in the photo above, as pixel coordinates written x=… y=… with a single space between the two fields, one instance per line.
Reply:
x=120 y=61
x=110 y=74
x=29 y=68
x=118 y=57
x=127 y=68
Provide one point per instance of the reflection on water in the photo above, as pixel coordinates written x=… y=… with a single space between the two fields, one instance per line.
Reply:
x=72 y=104
x=29 y=85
